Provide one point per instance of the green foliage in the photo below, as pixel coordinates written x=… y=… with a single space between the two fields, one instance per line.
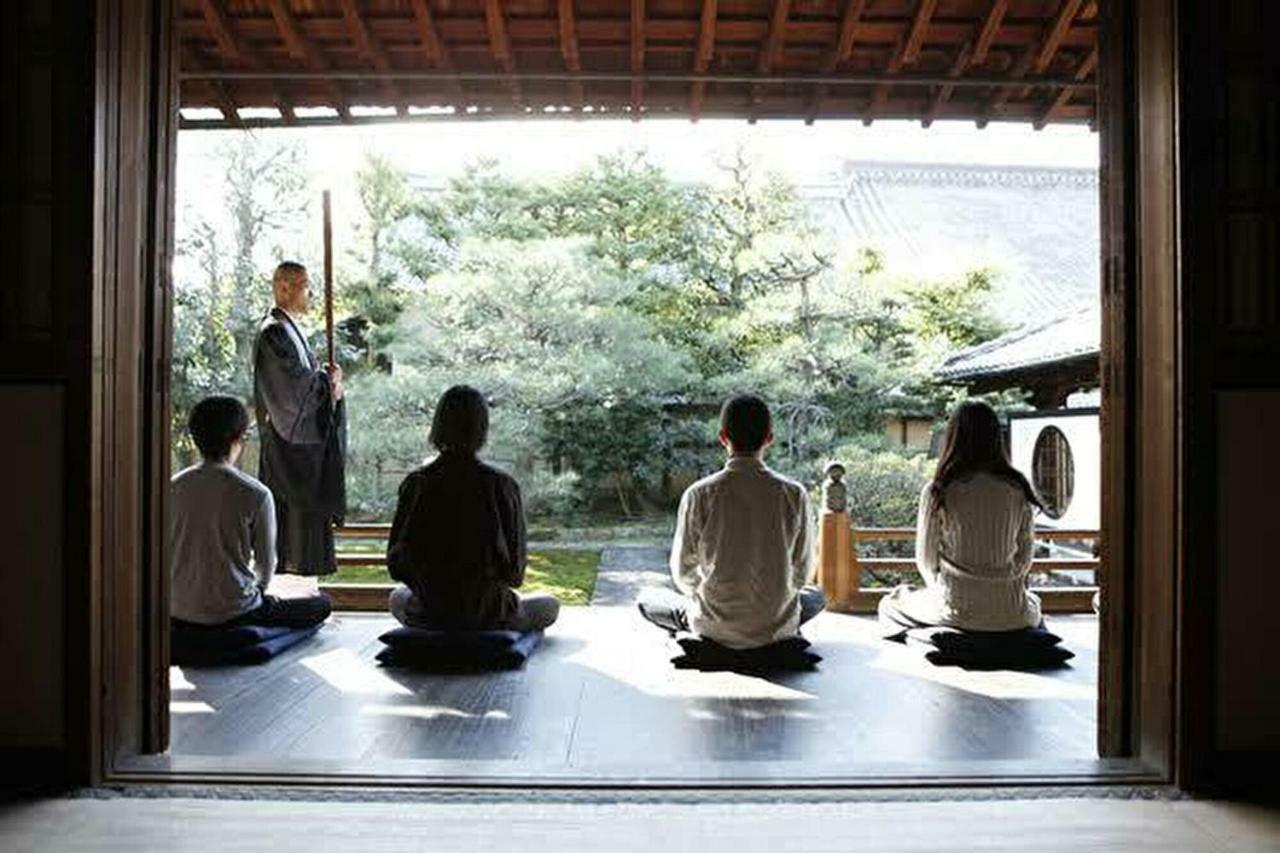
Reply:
x=567 y=573
x=605 y=313
x=226 y=249
x=884 y=485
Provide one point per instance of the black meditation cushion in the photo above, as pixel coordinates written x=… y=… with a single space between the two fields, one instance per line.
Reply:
x=709 y=656
x=457 y=651
x=1029 y=648
x=212 y=645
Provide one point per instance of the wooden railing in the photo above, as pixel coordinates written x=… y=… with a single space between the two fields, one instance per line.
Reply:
x=841 y=568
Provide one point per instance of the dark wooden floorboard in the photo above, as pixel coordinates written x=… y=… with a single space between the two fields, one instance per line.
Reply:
x=600 y=696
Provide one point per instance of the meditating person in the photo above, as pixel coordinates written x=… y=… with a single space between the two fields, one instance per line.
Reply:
x=222 y=533
x=457 y=543
x=741 y=556
x=974 y=536
x=301 y=420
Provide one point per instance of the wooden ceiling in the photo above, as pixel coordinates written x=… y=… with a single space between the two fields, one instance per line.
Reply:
x=310 y=62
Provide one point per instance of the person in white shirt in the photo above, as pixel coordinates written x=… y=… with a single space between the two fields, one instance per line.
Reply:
x=222 y=534
x=974 y=537
x=742 y=554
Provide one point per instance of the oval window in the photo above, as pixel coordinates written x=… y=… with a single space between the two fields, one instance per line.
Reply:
x=1053 y=471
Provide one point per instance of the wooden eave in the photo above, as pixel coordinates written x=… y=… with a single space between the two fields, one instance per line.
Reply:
x=247 y=63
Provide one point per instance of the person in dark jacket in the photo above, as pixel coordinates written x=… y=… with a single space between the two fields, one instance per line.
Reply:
x=457 y=544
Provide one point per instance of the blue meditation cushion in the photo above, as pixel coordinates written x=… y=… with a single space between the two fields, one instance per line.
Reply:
x=457 y=651
x=202 y=645
x=789 y=655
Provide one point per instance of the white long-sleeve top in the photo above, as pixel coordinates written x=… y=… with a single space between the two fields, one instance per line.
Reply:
x=974 y=552
x=222 y=543
x=742 y=551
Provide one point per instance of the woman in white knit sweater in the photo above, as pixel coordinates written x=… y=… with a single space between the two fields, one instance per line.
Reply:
x=974 y=536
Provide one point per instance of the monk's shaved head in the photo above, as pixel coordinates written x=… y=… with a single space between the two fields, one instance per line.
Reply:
x=289 y=282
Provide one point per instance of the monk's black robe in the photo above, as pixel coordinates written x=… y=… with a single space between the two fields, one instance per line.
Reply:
x=303 y=436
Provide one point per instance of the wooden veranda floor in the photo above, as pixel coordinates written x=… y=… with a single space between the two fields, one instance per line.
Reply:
x=599 y=701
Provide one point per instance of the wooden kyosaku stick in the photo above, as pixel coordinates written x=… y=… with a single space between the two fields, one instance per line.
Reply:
x=328 y=279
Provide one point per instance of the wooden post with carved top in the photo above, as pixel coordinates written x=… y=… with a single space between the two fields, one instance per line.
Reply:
x=838 y=573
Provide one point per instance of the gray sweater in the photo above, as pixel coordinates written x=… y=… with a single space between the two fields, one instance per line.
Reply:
x=222 y=543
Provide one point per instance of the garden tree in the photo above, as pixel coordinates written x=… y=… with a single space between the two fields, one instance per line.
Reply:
x=606 y=313
x=544 y=329
x=222 y=250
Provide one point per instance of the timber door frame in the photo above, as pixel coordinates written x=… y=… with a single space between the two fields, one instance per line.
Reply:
x=1142 y=386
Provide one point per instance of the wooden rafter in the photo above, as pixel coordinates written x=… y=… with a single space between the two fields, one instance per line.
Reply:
x=495 y=21
x=300 y=48
x=433 y=46
x=880 y=95
x=216 y=18
x=963 y=58
x=569 y=47
x=919 y=26
x=772 y=47
x=1052 y=40
x=839 y=55
x=702 y=59
x=990 y=28
x=776 y=38
x=217 y=89
x=637 y=57
x=1003 y=93
x=372 y=50
x=626 y=56
x=1087 y=66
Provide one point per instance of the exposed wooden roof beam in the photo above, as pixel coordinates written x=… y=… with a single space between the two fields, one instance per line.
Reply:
x=217 y=89
x=569 y=47
x=437 y=54
x=919 y=26
x=1087 y=66
x=231 y=44
x=990 y=27
x=637 y=57
x=1066 y=16
x=702 y=59
x=1052 y=40
x=940 y=97
x=434 y=47
x=300 y=48
x=216 y=19
x=853 y=10
x=1003 y=93
x=500 y=46
x=372 y=51
x=772 y=47
x=880 y=95
x=777 y=35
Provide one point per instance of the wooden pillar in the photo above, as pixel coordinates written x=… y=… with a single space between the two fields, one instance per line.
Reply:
x=838 y=572
x=837 y=562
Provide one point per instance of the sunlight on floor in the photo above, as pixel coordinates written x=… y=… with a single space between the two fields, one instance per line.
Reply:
x=428 y=712
x=191 y=707
x=347 y=673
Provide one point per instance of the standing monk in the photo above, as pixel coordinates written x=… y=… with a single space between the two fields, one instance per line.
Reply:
x=302 y=428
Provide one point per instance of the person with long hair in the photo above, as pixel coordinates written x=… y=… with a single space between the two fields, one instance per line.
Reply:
x=974 y=536
x=457 y=544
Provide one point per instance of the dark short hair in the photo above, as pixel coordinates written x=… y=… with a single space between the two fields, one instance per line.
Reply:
x=216 y=423
x=461 y=421
x=746 y=420
x=292 y=269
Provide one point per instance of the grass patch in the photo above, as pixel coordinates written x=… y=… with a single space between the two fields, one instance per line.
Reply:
x=567 y=573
